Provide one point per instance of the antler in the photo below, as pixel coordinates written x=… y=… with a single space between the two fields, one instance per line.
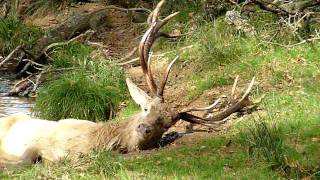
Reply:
x=151 y=35
x=219 y=118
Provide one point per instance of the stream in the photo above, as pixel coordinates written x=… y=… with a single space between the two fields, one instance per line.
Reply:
x=10 y=105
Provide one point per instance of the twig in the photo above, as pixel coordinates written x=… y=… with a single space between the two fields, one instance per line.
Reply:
x=129 y=9
x=67 y=42
x=233 y=2
x=156 y=55
x=292 y=45
x=31 y=81
x=130 y=54
x=265 y=5
x=32 y=62
x=97 y=44
x=36 y=85
x=89 y=33
x=62 y=69
x=10 y=55
x=21 y=81
x=25 y=68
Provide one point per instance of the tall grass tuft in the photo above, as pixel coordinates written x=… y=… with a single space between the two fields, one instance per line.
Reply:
x=266 y=141
x=73 y=54
x=14 y=33
x=92 y=92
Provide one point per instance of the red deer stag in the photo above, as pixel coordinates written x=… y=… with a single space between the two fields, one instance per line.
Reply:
x=27 y=138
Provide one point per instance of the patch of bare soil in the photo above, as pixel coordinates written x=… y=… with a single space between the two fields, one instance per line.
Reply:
x=118 y=36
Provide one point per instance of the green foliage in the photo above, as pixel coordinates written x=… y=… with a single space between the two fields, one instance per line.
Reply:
x=266 y=141
x=196 y=9
x=92 y=93
x=73 y=54
x=219 y=45
x=14 y=33
x=129 y=110
x=104 y=162
x=185 y=8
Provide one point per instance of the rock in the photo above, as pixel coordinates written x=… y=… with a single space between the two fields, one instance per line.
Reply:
x=235 y=19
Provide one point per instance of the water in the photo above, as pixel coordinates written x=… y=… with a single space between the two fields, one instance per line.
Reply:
x=11 y=105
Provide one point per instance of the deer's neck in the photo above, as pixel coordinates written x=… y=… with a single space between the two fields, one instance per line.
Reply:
x=118 y=136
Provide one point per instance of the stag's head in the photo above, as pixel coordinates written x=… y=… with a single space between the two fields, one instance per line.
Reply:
x=156 y=117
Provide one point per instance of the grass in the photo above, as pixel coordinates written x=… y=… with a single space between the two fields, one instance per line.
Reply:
x=266 y=141
x=129 y=110
x=14 y=33
x=72 y=54
x=92 y=92
x=92 y=89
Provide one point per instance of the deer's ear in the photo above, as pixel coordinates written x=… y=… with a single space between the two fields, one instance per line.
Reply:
x=137 y=94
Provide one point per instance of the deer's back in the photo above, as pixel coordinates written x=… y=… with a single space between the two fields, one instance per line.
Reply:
x=53 y=139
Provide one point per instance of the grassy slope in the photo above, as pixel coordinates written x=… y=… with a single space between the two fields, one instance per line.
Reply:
x=289 y=79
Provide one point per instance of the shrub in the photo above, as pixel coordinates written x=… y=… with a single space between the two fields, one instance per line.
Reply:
x=92 y=92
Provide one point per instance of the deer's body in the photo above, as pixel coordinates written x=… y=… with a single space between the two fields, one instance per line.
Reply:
x=53 y=140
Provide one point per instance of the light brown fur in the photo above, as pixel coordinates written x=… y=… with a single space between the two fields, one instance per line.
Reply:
x=7 y=122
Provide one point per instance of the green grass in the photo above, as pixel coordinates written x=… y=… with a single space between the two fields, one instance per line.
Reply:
x=206 y=83
x=92 y=92
x=14 y=33
x=130 y=109
x=72 y=54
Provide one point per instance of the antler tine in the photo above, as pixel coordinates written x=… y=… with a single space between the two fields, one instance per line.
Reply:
x=208 y=108
x=234 y=88
x=155 y=13
x=165 y=77
x=236 y=106
x=194 y=119
x=145 y=45
x=168 y=18
x=245 y=95
x=144 y=56
x=219 y=118
x=149 y=64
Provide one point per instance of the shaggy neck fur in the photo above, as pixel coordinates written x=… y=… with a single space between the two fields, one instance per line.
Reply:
x=120 y=136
